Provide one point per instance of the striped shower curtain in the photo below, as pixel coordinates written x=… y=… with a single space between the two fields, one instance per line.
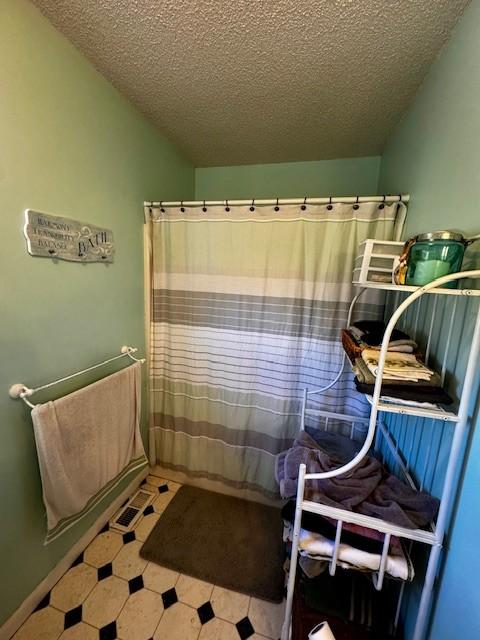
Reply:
x=246 y=312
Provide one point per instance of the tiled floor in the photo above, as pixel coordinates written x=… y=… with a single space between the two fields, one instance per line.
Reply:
x=110 y=592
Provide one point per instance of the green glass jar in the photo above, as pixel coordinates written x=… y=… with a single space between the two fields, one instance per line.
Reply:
x=434 y=255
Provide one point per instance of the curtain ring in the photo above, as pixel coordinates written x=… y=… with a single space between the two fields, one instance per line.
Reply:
x=227 y=208
x=204 y=208
x=182 y=208
x=304 y=205
x=356 y=205
x=161 y=206
x=330 y=205
x=252 y=206
x=382 y=204
x=276 y=207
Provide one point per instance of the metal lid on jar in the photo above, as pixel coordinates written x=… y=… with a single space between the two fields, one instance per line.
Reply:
x=441 y=235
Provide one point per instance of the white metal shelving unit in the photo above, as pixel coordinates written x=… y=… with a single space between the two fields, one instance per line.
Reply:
x=380 y=432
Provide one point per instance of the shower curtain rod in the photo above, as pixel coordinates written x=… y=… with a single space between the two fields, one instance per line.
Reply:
x=274 y=201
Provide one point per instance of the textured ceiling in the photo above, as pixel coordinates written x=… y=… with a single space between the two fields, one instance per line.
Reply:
x=246 y=81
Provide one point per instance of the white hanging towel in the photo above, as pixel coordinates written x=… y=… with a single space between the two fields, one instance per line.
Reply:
x=87 y=442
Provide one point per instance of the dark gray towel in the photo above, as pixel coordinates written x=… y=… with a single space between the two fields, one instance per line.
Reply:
x=367 y=489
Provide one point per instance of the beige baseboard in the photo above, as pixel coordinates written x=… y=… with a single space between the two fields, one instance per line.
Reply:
x=30 y=603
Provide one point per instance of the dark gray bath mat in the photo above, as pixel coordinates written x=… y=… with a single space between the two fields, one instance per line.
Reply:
x=226 y=541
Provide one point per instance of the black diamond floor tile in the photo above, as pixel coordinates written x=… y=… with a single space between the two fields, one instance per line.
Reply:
x=104 y=572
x=135 y=584
x=78 y=560
x=163 y=488
x=148 y=510
x=245 y=628
x=44 y=602
x=105 y=528
x=169 y=598
x=205 y=612
x=72 y=617
x=128 y=537
x=108 y=632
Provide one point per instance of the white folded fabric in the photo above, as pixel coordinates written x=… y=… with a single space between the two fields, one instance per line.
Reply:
x=318 y=547
x=408 y=403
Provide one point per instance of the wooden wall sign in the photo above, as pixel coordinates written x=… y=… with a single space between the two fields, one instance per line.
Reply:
x=66 y=239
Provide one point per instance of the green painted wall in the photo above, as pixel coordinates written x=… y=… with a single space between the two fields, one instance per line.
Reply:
x=69 y=145
x=435 y=152
x=435 y=156
x=348 y=176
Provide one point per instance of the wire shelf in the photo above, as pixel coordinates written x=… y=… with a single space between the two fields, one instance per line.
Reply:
x=386 y=286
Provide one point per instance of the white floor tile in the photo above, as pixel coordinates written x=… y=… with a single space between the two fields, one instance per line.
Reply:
x=218 y=629
x=155 y=471
x=105 y=602
x=80 y=631
x=192 y=591
x=159 y=480
x=150 y=487
x=145 y=525
x=266 y=617
x=128 y=563
x=103 y=548
x=140 y=615
x=179 y=622
x=159 y=579
x=173 y=486
x=162 y=501
x=229 y=605
x=46 y=624
x=73 y=587
x=156 y=481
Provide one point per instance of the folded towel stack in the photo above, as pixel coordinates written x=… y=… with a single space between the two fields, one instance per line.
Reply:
x=398 y=366
x=405 y=376
x=364 y=374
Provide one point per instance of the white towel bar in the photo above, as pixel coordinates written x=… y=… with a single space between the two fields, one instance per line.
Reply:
x=20 y=390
